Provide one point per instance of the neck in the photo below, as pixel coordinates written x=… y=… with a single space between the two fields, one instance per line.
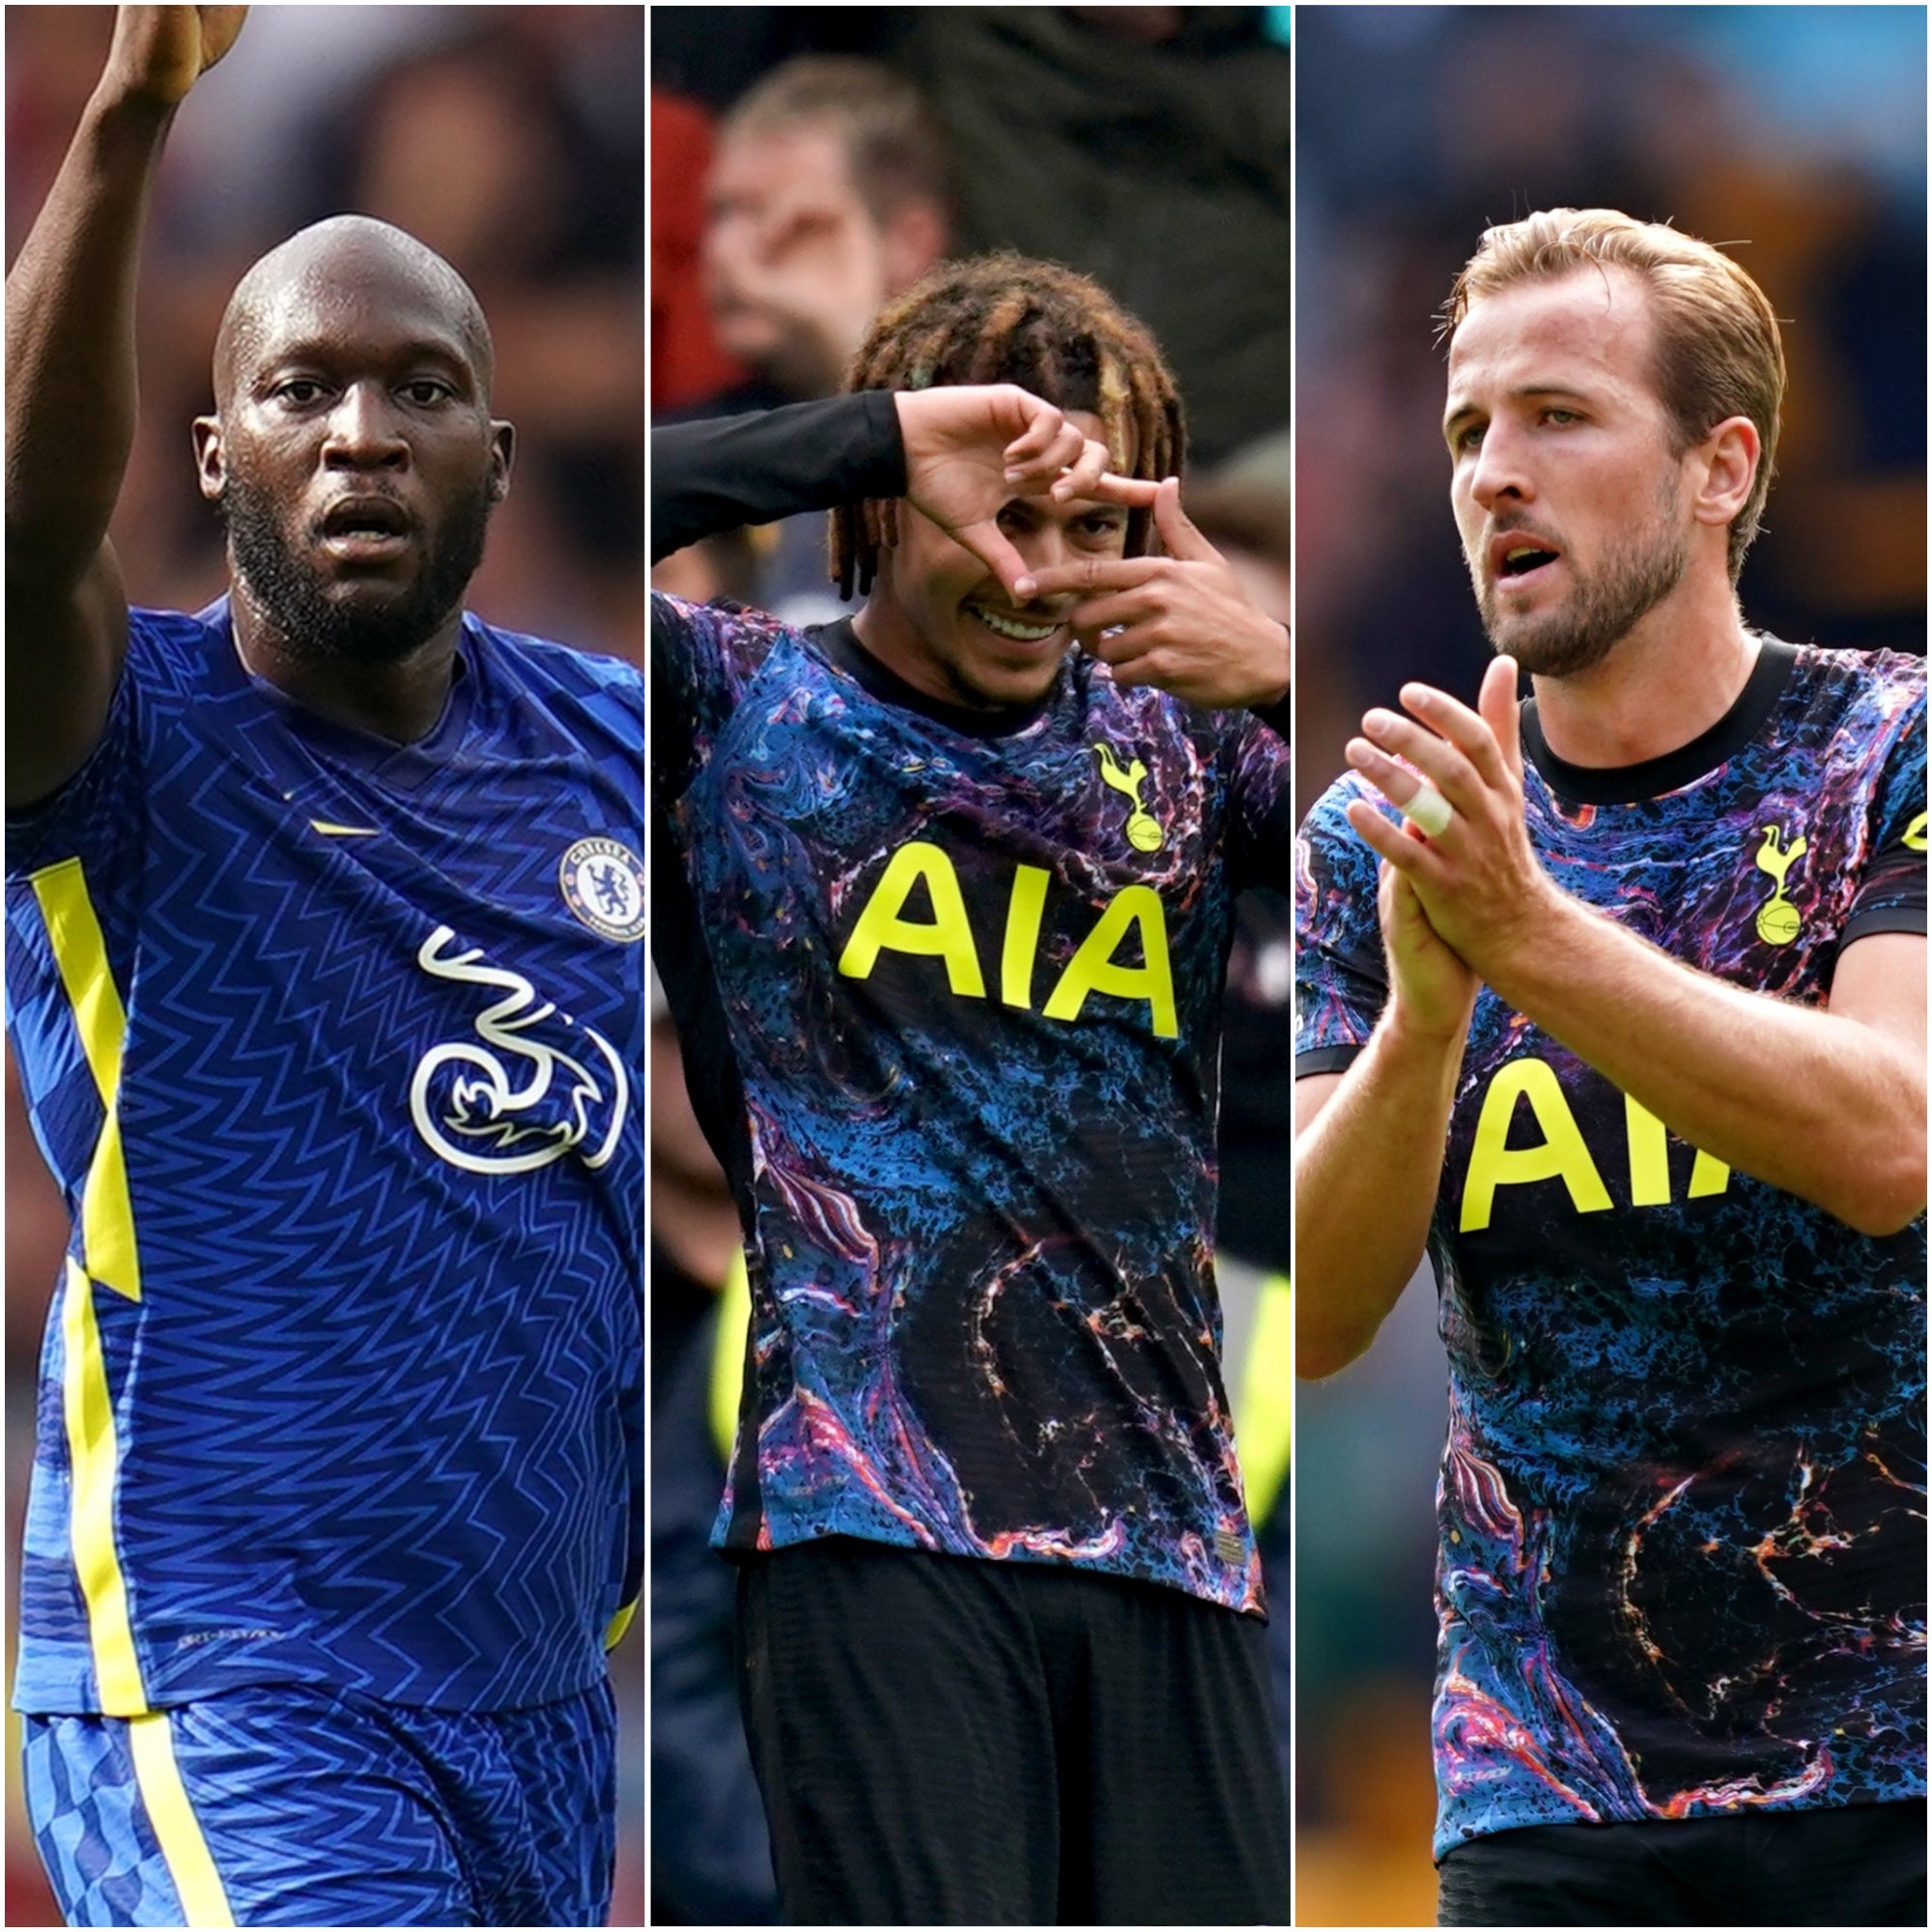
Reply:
x=883 y=629
x=1665 y=682
x=402 y=701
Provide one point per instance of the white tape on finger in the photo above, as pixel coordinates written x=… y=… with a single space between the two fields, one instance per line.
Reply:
x=1427 y=811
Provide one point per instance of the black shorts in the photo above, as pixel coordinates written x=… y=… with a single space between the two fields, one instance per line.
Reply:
x=943 y=1740
x=1864 y=1864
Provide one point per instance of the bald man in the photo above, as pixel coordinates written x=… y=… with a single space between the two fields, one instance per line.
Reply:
x=324 y=912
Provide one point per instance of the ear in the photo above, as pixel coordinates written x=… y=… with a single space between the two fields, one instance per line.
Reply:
x=502 y=452
x=210 y=467
x=1725 y=469
x=910 y=240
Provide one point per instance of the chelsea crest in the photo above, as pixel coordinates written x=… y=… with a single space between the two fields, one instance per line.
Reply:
x=603 y=884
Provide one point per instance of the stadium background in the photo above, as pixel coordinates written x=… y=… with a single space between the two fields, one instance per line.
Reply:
x=1800 y=130
x=1150 y=148
x=510 y=138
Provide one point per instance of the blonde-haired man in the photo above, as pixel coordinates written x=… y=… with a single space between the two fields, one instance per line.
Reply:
x=1626 y=1027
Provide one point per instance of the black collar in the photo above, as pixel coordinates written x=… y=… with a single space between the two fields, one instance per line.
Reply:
x=1628 y=785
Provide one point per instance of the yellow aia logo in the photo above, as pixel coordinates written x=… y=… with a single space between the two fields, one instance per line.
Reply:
x=882 y=926
x=1915 y=834
x=1561 y=1153
x=1144 y=833
x=1777 y=918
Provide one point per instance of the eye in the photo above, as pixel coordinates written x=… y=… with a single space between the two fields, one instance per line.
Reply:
x=299 y=390
x=1561 y=419
x=1015 y=517
x=1467 y=437
x=426 y=391
x=1100 y=526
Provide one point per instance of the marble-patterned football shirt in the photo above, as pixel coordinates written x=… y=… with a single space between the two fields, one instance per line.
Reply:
x=949 y=990
x=1682 y=1504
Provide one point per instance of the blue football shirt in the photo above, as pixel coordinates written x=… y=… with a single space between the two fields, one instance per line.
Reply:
x=335 y=1049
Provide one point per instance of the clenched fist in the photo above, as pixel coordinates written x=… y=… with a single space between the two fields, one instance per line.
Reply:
x=159 y=52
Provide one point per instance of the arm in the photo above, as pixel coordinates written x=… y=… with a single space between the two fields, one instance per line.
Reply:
x=959 y=454
x=712 y=476
x=70 y=400
x=1369 y=1143
x=1829 y=1105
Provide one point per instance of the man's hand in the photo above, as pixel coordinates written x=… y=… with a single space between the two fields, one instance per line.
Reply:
x=1182 y=621
x=1431 y=992
x=970 y=450
x=812 y=267
x=159 y=52
x=1478 y=882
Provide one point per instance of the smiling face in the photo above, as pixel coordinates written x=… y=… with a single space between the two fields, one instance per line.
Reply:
x=1570 y=486
x=942 y=620
x=353 y=456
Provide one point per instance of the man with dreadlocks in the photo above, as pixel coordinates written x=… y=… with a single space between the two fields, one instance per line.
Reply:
x=945 y=906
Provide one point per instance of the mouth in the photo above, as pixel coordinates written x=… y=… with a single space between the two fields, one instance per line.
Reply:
x=366 y=530
x=1014 y=628
x=1519 y=556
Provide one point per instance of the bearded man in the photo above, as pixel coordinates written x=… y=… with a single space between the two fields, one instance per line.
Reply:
x=323 y=908
x=1629 y=1035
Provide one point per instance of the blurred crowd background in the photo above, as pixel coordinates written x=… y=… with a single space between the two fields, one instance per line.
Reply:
x=807 y=165
x=1797 y=134
x=511 y=139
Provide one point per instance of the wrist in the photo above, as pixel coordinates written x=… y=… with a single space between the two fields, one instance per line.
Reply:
x=1435 y=1031
x=1529 y=953
x=122 y=108
x=1277 y=638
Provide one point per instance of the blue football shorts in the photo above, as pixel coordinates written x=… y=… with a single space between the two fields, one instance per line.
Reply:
x=288 y=1804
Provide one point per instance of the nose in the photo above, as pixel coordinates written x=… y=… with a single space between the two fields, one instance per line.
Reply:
x=1499 y=470
x=365 y=431
x=1046 y=546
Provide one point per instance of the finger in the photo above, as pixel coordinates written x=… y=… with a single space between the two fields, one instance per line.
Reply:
x=1081 y=477
x=1098 y=577
x=1467 y=731
x=1497 y=703
x=990 y=545
x=1177 y=533
x=1046 y=426
x=1136 y=492
x=1125 y=609
x=1437 y=759
x=1406 y=851
x=1038 y=476
x=1414 y=797
x=1095 y=576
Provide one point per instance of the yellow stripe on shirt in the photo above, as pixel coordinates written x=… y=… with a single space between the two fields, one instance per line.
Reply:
x=80 y=953
x=93 y=1465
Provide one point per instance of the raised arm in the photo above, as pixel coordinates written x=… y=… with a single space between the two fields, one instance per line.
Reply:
x=959 y=453
x=71 y=401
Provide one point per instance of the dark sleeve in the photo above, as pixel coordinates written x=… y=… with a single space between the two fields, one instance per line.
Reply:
x=1891 y=897
x=712 y=476
x=1263 y=800
x=1341 y=978
x=1277 y=717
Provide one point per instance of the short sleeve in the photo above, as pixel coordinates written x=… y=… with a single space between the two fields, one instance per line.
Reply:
x=703 y=655
x=96 y=816
x=1890 y=896
x=1341 y=980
